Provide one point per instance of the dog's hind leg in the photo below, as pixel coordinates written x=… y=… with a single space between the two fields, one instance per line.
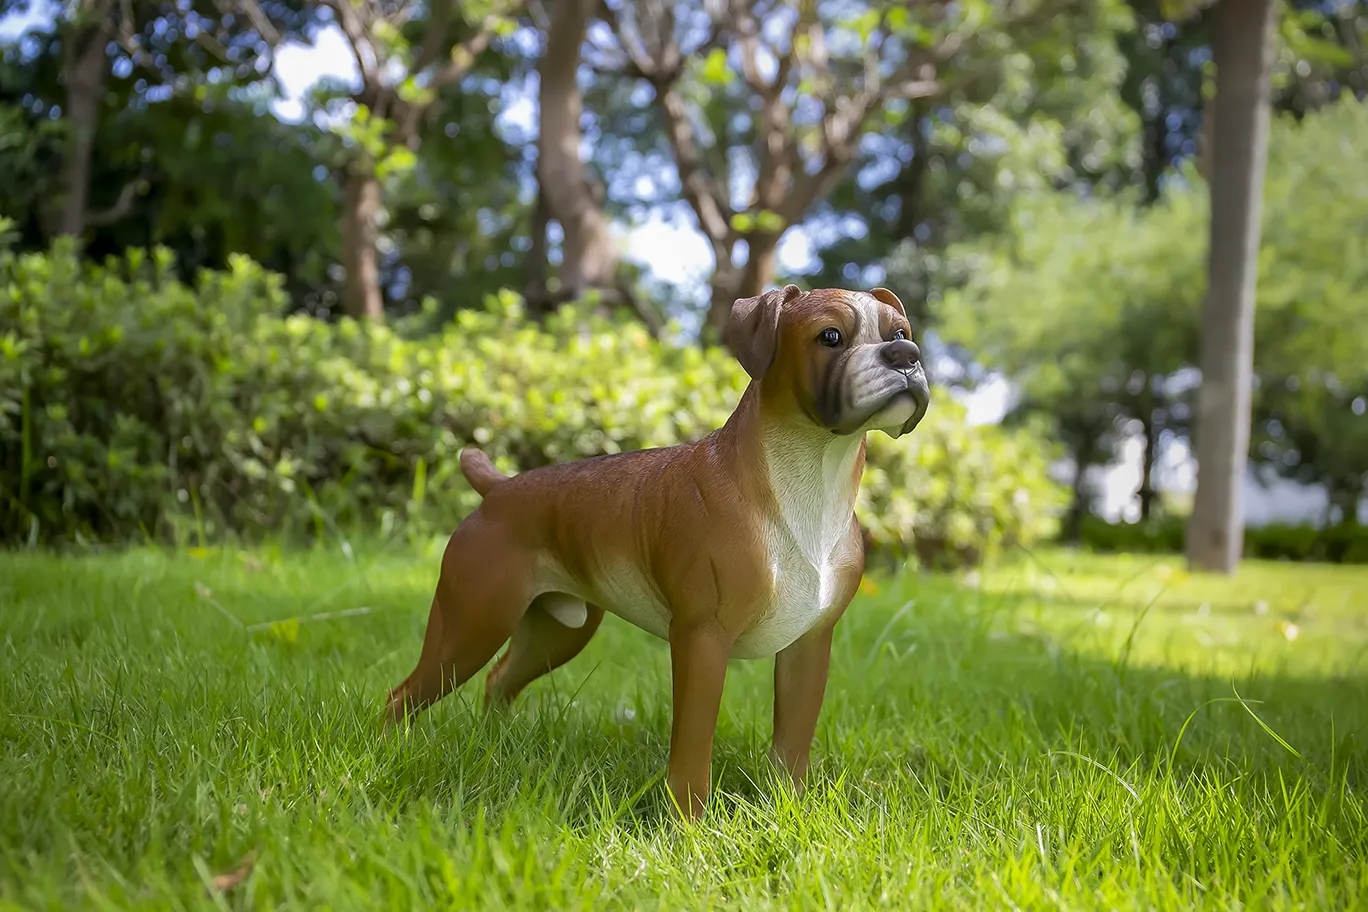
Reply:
x=543 y=642
x=485 y=587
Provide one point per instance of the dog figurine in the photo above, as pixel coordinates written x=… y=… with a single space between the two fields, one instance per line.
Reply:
x=741 y=545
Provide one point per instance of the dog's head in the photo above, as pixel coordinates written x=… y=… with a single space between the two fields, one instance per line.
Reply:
x=843 y=359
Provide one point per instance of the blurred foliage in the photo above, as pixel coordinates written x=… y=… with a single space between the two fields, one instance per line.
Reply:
x=1091 y=307
x=1090 y=304
x=1115 y=104
x=1311 y=344
x=1343 y=543
x=1106 y=97
x=1044 y=114
x=217 y=173
x=214 y=172
x=134 y=405
x=956 y=493
x=458 y=222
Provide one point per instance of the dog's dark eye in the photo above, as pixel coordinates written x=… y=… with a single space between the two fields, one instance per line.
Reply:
x=830 y=337
x=899 y=334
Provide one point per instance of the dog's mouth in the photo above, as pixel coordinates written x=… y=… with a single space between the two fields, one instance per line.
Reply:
x=896 y=411
x=917 y=387
x=903 y=408
x=865 y=393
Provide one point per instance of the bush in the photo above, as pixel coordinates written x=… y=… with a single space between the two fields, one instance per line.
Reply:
x=1156 y=536
x=1346 y=543
x=134 y=406
x=957 y=494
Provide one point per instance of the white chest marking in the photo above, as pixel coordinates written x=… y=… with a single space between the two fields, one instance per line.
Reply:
x=811 y=483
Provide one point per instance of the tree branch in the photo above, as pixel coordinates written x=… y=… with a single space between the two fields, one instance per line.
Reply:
x=778 y=155
x=917 y=77
x=439 y=24
x=709 y=201
x=358 y=37
x=641 y=65
x=655 y=38
x=128 y=37
x=122 y=206
x=656 y=57
x=463 y=57
x=260 y=21
x=211 y=44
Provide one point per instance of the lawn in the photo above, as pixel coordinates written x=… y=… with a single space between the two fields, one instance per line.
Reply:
x=200 y=729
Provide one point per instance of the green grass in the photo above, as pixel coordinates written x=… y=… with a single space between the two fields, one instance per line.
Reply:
x=1063 y=731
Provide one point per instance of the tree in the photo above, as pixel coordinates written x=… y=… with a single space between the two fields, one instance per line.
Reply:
x=946 y=170
x=1318 y=57
x=407 y=54
x=457 y=220
x=206 y=169
x=186 y=154
x=1311 y=401
x=162 y=41
x=1242 y=51
x=1088 y=305
x=1120 y=105
x=764 y=103
x=589 y=259
x=85 y=34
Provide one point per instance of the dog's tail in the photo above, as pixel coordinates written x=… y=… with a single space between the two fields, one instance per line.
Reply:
x=479 y=471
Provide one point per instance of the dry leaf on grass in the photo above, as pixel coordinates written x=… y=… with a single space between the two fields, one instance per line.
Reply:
x=225 y=882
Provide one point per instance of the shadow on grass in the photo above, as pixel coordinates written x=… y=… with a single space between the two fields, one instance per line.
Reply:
x=933 y=698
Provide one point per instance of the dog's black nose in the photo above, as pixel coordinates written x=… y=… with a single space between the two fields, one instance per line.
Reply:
x=901 y=354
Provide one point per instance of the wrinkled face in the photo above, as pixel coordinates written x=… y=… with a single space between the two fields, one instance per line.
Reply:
x=844 y=359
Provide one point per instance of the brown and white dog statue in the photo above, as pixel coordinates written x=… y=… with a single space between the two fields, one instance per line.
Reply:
x=741 y=545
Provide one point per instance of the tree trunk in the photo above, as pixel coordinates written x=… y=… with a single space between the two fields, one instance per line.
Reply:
x=1242 y=51
x=911 y=186
x=1078 y=508
x=731 y=281
x=1078 y=502
x=537 y=264
x=589 y=257
x=360 y=230
x=84 y=68
x=726 y=279
x=1151 y=431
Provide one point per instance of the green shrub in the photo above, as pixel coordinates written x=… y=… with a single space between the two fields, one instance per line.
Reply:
x=1346 y=543
x=134 y=406
x=957 y=494
x=1156 y=536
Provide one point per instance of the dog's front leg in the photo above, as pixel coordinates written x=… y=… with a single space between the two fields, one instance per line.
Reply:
x=800 y=678
x=698 y=661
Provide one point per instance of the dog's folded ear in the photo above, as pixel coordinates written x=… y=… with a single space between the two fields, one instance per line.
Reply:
x=889 y=298
x=753 y=329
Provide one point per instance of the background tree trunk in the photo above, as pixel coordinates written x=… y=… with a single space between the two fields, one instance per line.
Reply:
x=1151 y=430
x=84 y=69
x=1242 y=51
x=537 y=265
x=911 y=186
x=589 y=257
x=722 y=288
x=732 y=281
x=1079 y=502
x=362 y=298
